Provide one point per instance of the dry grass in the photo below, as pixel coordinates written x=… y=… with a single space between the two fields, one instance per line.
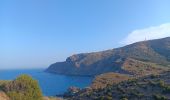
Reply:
x=103 y=80
x=140 y=68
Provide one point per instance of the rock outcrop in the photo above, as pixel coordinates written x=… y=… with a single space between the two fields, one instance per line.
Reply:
x=3 y=96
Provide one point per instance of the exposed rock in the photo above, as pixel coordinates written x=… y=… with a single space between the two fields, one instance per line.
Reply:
x=3 y=96
x=74 y=89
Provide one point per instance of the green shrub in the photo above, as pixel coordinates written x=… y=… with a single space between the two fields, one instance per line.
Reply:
x=154 y=76
x=108 y=98
x=160 y=97
x=166 y=89
x=105 y=98
x=161 y=83
x=2 y=83
x=124 y=99
x=23 y=88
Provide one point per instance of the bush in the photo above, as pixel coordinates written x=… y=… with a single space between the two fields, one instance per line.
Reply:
x=23 y=88
x=166 y=89
x=2 y=83
x=161 y=83
x=108 y=98
x=160 y=97
x=105 y=98
x=124 y=99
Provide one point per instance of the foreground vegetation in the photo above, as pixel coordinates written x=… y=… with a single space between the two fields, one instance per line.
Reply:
x=22 y=88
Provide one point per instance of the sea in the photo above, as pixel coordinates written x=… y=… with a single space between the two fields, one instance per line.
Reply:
x=50 y=84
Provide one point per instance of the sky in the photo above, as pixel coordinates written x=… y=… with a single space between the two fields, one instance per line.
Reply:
x=37 y=33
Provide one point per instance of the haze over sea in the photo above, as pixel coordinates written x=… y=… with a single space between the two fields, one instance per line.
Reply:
x=51 y=84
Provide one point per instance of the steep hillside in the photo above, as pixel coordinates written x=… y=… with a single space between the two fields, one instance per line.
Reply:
x=101 y=81
x=153 y=54
x=152 y=87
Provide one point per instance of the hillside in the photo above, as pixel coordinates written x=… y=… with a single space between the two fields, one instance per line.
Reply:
x=101 y=81
x=152 y=87
x=148 y=56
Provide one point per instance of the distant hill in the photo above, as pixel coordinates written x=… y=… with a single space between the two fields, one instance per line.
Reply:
x=141 y=58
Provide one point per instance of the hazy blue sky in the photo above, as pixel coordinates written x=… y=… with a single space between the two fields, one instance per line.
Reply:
x=36 y=33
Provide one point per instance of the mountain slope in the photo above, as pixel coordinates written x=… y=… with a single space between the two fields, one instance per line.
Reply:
x=148 y=54
x=152 y=87
x=103 y=80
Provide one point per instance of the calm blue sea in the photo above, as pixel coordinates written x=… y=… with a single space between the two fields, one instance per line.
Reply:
x=51 y=84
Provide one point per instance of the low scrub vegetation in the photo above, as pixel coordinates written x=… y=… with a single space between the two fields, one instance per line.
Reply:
x=152 y=87
x=22 y=88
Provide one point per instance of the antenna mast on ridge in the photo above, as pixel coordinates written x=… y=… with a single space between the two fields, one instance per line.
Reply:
x=145 y=39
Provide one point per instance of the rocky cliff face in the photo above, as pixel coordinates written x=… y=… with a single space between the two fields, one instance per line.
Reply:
x=145 y=55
